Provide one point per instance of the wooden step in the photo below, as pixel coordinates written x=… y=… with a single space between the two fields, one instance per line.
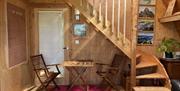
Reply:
x=151 y=76
x=138 y=56
x=143 y=88
x=144 y=64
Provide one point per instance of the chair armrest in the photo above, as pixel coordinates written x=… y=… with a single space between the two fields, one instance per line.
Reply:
x=53 y=65
x=41 y=69
x=56 y=67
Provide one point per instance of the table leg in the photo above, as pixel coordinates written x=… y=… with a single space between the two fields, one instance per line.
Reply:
x=79 y=74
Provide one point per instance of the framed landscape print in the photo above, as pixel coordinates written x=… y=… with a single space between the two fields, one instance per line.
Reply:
x=147 y=2
x=146 y=12
x=80 y=29
x=146 y=25
x=146 y=22
x=145 y=38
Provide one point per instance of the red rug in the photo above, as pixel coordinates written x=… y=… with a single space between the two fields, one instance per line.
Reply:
x=78 y=88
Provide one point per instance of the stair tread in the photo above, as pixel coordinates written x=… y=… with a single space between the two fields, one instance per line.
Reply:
x=138 y=55
x=144 y=64
x=151 y=76
x=143 y=88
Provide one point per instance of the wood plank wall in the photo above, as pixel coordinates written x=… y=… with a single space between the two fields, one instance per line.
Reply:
x=168 y=30
x=20 y=76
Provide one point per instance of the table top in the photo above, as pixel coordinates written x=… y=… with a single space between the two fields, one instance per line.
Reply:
x=85 y=63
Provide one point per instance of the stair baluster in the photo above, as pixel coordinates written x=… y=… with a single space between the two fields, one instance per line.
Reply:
x=124 y=28
x=100 y=12
x=118 y=25
x=106 y=14
x=93 y=11
x=112 y=27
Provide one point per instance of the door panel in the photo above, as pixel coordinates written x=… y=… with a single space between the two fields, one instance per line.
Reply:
x=51 y=36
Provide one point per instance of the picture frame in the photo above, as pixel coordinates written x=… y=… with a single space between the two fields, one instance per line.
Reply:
x=146 y=12
x=80 y=29
x=145 y=38
x=147 y=2
x=146 y=25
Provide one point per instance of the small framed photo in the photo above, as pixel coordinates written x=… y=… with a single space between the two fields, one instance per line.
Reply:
x=145 y=25
x=146 y=12
x=80 y=29
x=145 y=38
x=147 y=2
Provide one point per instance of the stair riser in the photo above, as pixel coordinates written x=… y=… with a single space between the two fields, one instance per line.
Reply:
x=146 y=70
x=151 y=82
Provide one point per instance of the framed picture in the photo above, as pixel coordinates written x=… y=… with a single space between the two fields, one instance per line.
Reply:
x=146 y=12
x=145 y=38
x=146 y=25
x=80 y=29
x=147 y=2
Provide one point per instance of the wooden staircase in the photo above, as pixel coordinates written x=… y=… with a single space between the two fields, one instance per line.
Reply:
x=150 y=74
x=144 y=67
x=123 y=44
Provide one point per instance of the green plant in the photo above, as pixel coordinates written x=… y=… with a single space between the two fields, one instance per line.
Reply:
x=168 y=45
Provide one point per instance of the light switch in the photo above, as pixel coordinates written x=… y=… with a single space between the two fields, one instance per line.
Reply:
x=77 y=42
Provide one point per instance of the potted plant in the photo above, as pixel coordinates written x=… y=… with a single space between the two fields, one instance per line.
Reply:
x=168 y=46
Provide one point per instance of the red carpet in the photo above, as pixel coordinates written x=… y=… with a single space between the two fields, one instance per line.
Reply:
x=78 y=88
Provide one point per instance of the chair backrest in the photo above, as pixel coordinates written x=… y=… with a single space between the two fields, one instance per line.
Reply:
x=117 y=61
x=39 y=65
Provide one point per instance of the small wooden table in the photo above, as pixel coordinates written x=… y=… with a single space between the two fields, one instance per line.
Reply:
x=172 y=67
x=79 y=68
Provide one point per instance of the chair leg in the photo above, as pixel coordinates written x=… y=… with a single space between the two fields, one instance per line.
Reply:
x=113 y=85
x=55 y=84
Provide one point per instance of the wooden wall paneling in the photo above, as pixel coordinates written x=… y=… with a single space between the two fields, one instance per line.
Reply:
x=20 y=76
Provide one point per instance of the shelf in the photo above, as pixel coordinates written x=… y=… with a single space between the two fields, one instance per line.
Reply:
x=170 y=18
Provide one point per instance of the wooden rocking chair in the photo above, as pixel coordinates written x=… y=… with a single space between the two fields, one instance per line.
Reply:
x=39 y=66
x=111 y=72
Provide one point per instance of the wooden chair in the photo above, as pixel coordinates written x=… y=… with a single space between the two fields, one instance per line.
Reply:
x=111 y=72
x=39 y=66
